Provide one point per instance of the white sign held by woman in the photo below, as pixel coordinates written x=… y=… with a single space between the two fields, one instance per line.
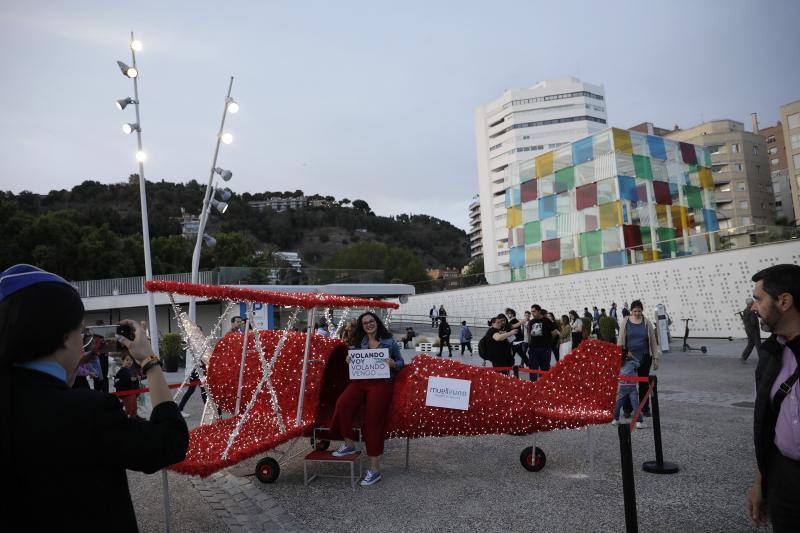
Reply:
x=369 y=364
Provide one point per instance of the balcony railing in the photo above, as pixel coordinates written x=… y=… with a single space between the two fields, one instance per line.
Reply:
x=119 y=286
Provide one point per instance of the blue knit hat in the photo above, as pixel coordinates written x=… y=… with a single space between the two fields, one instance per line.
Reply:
x=18 y=277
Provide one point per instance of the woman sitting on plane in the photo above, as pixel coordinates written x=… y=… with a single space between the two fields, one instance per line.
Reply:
x=373 y=394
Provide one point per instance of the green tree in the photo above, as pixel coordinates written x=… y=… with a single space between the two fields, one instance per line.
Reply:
x=397 y=263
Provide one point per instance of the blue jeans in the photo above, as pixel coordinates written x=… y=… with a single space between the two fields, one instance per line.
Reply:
x=627 y=391
x=540 y=359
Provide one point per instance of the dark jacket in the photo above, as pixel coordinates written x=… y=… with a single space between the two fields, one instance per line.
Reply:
x=444 y=329
x=770 y=358
x=69 y=452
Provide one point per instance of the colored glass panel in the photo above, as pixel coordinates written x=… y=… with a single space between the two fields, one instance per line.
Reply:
x=512 y=197
x=533 y=232
x=533 y=254
x=650 y=255
x=546 y=185
x=530 y=211
x=547 y=206
x=527 y=170
x=614 y=259
x=594 y=262
x=661 y=193
x=568 y=247
x=565 y=202
x=591 y=243
x=610 y=215
x=659 y=169
x=606 y=191
x=694 y=197
x=666 y=244
x=627 y=188
x=585 y=173
x=639 y=143
x=710 y=218
x=562 y=157
x=528 y=191
x=591 y=218
x=687 y=153
x=661 y=215
x=680 y=217
x=568 y=224
x=544 y=164
x=568 y=266
x=656 y=145
x=586 y=196
x=622 y=141
x=549 y=228
x=513 y=217
x=516 y=257
x=706 y=179
x=647 y=238
x=642 y=165
x=582 y=151
x=611 y=239
x=632 y=236
x=551 y=250
x=641 y=193
x=565 y=179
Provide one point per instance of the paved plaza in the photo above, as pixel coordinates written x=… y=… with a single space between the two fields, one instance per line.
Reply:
x=477 y=483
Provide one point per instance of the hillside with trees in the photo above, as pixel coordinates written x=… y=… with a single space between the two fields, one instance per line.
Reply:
x=94 y=231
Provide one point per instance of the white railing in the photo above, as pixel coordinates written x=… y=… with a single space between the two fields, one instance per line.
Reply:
x=118 y=286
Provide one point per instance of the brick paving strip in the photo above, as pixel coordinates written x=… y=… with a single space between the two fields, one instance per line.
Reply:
x=243 y=507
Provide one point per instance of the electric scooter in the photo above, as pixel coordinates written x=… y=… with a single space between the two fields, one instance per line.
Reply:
x=686 y=347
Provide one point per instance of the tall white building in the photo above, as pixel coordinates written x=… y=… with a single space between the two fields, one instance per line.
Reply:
x=513 y=129
x=475 y=239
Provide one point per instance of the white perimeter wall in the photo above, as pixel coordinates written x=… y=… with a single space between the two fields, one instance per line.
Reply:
x=709 y=288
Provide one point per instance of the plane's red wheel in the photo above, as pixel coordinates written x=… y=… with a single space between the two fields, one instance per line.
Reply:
x=268 y=470
x=531 y=460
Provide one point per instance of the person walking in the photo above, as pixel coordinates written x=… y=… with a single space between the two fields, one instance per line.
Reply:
x=444 y=335
x=434 y=312
x=751 y=328
x=518 y=341
x=637 y=336
x=625 y=311
x=565 y=340
x=465 y=338
x=775 y=492
x=556 y=347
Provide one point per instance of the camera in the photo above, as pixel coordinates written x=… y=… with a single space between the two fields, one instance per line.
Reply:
x=126 y=331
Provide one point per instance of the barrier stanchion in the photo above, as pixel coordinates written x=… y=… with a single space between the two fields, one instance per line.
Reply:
x=628 y=486
x=659 y=466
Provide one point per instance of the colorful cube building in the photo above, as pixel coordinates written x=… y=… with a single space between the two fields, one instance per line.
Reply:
x=614 y=198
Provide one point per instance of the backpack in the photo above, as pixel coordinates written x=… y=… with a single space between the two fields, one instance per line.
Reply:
x=482 y=348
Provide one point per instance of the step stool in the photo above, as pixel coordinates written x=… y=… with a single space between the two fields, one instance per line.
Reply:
x=325 y=456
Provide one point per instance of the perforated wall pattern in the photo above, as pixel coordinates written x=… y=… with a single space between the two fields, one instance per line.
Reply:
x=710 y=288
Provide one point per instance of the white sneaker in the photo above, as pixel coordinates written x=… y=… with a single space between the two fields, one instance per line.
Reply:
x=343 y=450
x=615 y=422
x=640 y=425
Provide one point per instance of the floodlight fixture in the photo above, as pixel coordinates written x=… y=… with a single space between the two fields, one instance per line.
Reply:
x=225 y=174
x=209 y=240
x=219 y=206
x=226 y=138
x=233 y=107
x=123 y=103
x=130 y=72
x=130 y=127
x=224 y=194
x=141 y=157
x=136 y=46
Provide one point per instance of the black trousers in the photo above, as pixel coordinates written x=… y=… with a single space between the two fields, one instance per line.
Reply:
x=783 y=493
x=753 y=341
x=445 y=341
x=466 y=346
x=577 y=337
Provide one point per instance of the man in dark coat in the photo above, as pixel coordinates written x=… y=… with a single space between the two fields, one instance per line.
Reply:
x=775 y=492
x=751 y=329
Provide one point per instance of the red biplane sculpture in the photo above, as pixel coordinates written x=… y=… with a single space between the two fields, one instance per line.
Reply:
x=278 y=365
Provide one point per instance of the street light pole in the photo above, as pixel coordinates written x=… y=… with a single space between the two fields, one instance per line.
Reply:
x=148 y=267
x=206 y=207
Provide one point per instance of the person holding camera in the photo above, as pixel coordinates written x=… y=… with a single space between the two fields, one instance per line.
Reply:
x=637 y=337
x=45 y=424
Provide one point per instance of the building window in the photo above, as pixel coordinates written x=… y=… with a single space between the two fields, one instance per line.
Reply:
x=743 y=204
x=796 y=161
x=735 y=148
x=776 y=187
x=770 y=139
x=794 y=121
x=715 y=148
x=774 y=162
x=725 y=188
x=716 y=169
x=495 y=147
x=773 y=150
x=755 y=149
x=794 y=141
x=737 y=167
x=741 y=186
x=745 y=221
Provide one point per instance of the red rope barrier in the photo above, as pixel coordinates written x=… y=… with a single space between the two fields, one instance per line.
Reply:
x=642 y=403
